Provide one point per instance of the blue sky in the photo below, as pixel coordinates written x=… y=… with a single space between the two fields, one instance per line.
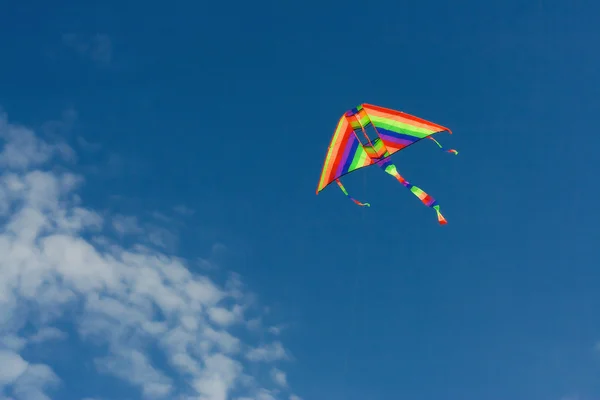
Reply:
x=143 y=138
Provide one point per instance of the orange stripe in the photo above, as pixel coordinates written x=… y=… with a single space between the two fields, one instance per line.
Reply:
x=342 y=130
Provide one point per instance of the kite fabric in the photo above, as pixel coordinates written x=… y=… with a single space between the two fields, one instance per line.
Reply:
x=395 y=130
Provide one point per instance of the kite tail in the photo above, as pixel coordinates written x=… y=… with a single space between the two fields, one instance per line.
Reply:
x=443 y=148
x=429 y=201
x=350 y=197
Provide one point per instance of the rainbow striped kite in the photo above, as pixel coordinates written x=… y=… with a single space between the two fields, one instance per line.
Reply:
x=393 y=131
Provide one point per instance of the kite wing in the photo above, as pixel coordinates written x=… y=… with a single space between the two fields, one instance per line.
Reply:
x=344 y=155
x=399 y=130
x=395 y=131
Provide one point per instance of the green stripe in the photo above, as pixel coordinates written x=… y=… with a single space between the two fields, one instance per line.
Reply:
x=401 y=127
x=359 y=156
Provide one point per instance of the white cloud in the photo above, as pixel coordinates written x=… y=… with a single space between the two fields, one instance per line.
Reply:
x=225 y=317
x=34 y=382
x=134 y=366
x=254 y=324
x=276 y=329
x=279 y=377
x=264 y=394
x=126 y=225
x=218 y=377
x=22 y=149
x=28 y=381
x=13 y=342
x=152 y=323
x=12 y=366
x=268 y=353
x=46 y=334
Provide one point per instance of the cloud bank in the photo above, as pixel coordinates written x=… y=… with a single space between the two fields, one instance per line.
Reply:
x=135 y=315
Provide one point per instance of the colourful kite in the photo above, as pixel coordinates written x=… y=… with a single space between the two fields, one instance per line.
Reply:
x=394 y=131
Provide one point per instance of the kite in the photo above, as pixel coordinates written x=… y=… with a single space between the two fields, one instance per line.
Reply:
x=394 y=131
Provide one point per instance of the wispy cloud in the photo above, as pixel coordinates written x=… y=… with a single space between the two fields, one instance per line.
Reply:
x=279 y=377
x=87 y=145
x=22 y=149
x=28 y=381
x=135 y=366
x=268 y=353
x=126 y=225
x=276 y=329
x=48 y=334
x=183 y=210
x=97 y=47
x=153 y=323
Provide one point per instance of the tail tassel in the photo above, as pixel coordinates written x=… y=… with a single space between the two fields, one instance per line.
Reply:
x=443 y=148
x=350 y=197
x=440 y=217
